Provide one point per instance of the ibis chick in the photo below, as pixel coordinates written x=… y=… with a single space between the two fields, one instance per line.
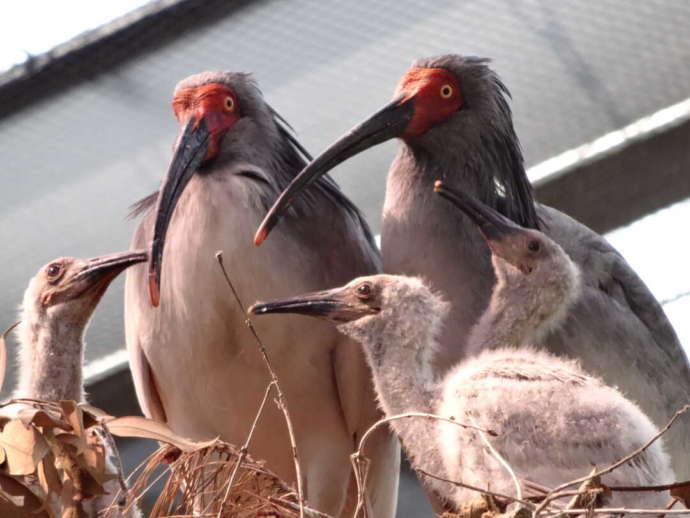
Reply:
x=554 y=422
x=56 y=310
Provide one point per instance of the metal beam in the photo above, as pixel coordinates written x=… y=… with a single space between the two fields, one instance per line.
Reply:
x=645 y=174
x=84 y=57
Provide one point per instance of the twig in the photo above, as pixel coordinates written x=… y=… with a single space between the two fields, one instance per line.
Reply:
x=662 y=487
x=535 y=486
x=674 y=501
x=424 y=415
x=500 y=496
x=3 y=352
x=274 y=378
x=588 y=494
x=501 y=460
x=615 y=510
x=114 y=451
x=554 y=494
x=360 y=462
x=360 y=465
x=307 y=509
x=244 y=450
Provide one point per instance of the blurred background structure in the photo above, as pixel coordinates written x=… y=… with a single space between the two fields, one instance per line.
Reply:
x=601 y=97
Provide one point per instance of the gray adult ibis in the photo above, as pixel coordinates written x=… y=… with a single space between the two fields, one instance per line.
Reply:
x=452 y=117
x=195 y=364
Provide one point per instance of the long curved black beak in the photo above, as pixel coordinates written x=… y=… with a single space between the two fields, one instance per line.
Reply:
x=99 y=272
x=493 y=225
x=190 y=153
x=334 y=305
x=389 y=122
x=310 y=304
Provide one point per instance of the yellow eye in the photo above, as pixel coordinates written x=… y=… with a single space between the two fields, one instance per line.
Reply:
x=446 y=91
x=229 y=103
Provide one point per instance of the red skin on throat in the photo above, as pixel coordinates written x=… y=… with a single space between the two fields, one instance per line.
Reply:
x=215 y=103
x=431 y=107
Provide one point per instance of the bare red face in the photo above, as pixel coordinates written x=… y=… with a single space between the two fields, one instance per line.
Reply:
x=215 y=103
x=436 y=95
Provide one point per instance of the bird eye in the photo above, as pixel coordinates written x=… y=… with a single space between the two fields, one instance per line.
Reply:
x=364 y=291
x=446 y=91
x=229 y=103
x=533 y=246
x=53 y=269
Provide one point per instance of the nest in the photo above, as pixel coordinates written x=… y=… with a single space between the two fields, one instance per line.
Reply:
x=200 y=482
x=52 y=456
x=54 y=460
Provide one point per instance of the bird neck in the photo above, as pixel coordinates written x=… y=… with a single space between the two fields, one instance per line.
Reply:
x=515 y=316
x=50 y=358
x=399 y=352
x=419 y=225
x=488 y=166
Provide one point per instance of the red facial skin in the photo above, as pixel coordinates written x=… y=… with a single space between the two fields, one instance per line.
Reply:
x=436 y=93
x=215 y=103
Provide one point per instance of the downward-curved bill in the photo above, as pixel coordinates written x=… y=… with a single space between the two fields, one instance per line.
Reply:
x=387 y=123
x=337 y=305
x=190 y=153
x=493 y=225
x=100 y=271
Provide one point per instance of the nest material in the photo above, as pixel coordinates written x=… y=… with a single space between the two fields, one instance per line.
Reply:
x=53 y=456
x=198 y=480
x=53 y=461
x=56 y=457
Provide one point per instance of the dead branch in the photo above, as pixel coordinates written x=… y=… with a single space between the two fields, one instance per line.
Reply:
x=501 y=460
x=295 y=507
x=244 y=449
x=589 y=494
x=660 y=487
x=499 y=496
x=3 y=352
x=282 y=402
x=614 y=510
x=360 y=463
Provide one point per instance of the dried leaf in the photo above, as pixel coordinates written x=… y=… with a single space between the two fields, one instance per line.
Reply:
x=70 y=499
x=682 y=493
x=24 y=447
x=74 y=416
x=77 y=442
x=93 y=459
x=18 y=501
x=90 y=486
x=135 y=426
x=92 y=415
x=3 y=353
x=26 y=415
x=48 y=477
x=41 y=418
x=65 y=460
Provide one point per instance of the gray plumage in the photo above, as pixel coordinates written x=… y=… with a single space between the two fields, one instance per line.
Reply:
x=194 y=362
x=554 y=421
x=616 y=328
x=56 y=309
